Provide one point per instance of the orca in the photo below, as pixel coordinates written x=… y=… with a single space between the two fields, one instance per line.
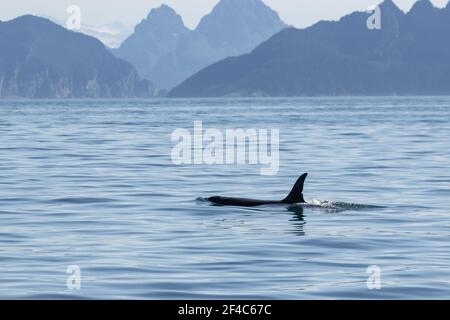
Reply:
x=295 y=196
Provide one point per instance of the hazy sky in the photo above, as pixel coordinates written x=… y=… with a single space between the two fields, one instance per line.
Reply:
x=300 y=13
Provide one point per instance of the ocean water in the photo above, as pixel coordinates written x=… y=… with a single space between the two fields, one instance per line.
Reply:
x=91 y=185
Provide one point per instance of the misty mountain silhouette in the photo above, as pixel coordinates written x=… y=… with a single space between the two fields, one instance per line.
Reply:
x=409 y=55
x=166 y=52
x=40 y=59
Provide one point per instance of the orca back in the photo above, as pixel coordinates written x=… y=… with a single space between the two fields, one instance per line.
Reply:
x=295 y=196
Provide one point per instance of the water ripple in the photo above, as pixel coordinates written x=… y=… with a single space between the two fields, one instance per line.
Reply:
x=91 y=184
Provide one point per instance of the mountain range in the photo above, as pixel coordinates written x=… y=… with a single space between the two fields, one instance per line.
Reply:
x=409 y=55
x=166 y=52
x=112 y=34
x=40 y=59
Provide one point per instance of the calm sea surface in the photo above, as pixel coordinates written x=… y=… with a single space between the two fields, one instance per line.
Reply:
x=91 y=184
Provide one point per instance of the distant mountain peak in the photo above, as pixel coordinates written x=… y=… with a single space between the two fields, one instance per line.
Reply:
x=239 y=8
x=31 y=19
x=163 y=17
x=240 y=3
x=162 y=11
x=116 y=24
x=28 y=17
x=422 y=6
x=32 y=22
x=389 y=5
x=240 y=24
x=165 y=51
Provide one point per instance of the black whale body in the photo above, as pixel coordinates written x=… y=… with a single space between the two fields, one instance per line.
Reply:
x=295 y=196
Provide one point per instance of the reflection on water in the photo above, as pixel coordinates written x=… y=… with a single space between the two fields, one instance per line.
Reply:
x=298 y=219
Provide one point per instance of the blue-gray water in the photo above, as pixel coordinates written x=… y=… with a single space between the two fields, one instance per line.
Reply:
x=92 y=184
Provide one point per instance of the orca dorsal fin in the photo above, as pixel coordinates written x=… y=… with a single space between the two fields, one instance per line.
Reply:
x=296 y=195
